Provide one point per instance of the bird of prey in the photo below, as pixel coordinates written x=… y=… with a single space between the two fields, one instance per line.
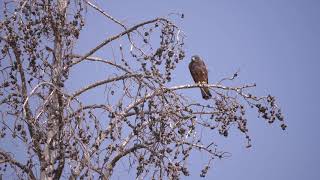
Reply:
x=199 y=74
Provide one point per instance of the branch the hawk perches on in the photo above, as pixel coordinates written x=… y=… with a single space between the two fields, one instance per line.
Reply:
x=199 y=74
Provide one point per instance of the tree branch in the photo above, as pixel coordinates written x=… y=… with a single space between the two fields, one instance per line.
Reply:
x=105 y=14
x=103 y=82
x=114 y=161
x=115 y=37
x=7 y=158
x=97 y=59
x=188 y=86
x=28 y=115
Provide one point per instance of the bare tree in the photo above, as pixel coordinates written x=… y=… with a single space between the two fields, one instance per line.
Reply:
x=153 y=126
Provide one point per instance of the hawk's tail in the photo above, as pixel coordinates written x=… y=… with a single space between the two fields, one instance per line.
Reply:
x=205 y=93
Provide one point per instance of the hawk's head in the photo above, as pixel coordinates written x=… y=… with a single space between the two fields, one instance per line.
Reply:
x=195 y=58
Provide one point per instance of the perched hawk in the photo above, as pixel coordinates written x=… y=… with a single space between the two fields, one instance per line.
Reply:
x=199 y=74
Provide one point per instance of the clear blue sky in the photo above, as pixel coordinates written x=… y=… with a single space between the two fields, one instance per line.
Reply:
x=275 y=43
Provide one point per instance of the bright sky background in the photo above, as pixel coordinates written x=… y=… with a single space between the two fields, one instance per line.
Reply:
x=275 y=43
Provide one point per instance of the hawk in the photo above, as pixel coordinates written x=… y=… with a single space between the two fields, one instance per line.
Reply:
x=199 y=74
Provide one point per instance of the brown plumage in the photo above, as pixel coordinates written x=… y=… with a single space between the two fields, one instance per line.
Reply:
x=199 y=74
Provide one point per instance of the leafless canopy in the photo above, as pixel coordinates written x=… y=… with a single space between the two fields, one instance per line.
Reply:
x=154 y=127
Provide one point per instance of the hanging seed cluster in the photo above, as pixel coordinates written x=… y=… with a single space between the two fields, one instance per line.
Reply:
x=162 y=61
